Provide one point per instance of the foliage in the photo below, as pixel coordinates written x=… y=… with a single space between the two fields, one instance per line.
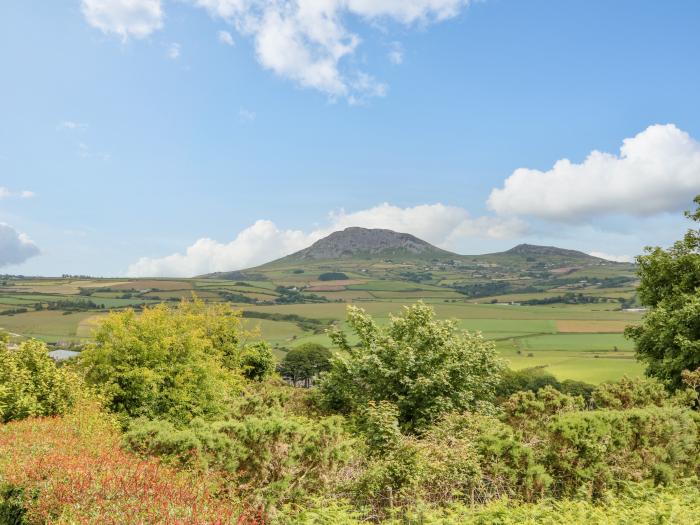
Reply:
x=332 y=276
x=256 y=361
x=630 y=393
x=526 y=379
x=305 y=362
x=270 y=453
x=32 y=385
x=590 y=452
x=172 y=363
x=425 y=367
x=71 y=470
x=668 y=340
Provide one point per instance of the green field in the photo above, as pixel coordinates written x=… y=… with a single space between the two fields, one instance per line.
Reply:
x=572 y=341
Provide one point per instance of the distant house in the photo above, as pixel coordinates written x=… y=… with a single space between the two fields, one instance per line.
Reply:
x=63 y=355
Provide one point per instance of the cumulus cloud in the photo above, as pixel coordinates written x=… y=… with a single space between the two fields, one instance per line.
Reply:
x=307 y=40
x=124 y=18
x=614 y=258
x=656 y=171
x=261 y=242
x=26 y=194
x=15 y=247
x=225 y=38
x=264 y=241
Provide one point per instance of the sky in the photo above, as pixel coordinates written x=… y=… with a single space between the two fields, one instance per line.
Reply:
x=180 y=137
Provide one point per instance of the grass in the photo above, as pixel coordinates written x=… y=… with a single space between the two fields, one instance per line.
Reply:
x=562 y=337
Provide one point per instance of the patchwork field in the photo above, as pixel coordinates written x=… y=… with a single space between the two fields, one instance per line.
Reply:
x=572 y=341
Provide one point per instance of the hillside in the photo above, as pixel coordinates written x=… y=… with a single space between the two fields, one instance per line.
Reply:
x=367 y=243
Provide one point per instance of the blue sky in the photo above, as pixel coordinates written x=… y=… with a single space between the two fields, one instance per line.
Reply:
x=176 y=137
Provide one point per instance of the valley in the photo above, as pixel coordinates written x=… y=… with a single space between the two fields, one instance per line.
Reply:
x=561 y=310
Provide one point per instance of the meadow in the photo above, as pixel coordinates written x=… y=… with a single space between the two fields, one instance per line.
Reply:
x=571 y=341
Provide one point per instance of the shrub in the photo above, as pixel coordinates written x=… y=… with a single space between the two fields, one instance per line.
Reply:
x=71 y=470
x=172 y=363
x=425 y=367
x=526 y=379
x=590 y=452
x=630 y=393
x=32 y=385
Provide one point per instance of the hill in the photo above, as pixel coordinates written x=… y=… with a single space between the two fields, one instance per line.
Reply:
x=532 y=250
x=367 y=243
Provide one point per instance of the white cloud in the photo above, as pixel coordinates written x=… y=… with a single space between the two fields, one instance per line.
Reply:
x=264 y=241
x=5 y=193
x=395 y=53
x=308 y=42
x=125 y=18
x=174 y=51
x=656 y=171
x=258 y=243
x=246 y=115
x=614 y=258
x=226 y=38
x=71 y=125
x=436 y=223
x=15 y=247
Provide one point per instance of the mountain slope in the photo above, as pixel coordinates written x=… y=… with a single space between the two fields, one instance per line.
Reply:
x=367 y=243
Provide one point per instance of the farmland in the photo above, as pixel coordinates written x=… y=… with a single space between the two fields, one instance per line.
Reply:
x=572 y=341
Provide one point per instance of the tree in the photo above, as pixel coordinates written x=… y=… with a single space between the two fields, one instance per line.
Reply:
x=668 y=340
x=424 y=366
x=173 y=363
x=31 y=384
x=305 y=362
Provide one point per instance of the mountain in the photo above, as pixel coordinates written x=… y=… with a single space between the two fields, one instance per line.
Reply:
x=362 y=255
x=368 y=244
x=532 y=250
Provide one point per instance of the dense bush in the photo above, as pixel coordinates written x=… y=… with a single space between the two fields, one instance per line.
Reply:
x=172 y=363
x=590 y=452
x=425 y=367
x=32 y=385
x=72 y=470
x=267 y=446
x=533 y=379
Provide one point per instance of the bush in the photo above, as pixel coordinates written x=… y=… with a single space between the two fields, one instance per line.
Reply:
x=171 y=363
x=531 y=379
x=71 y=470
x=425 y=367
x=630 y=393
x=590 y=452
x=32 y=385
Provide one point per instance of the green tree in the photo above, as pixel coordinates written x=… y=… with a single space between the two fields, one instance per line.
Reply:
x=32 y=385
x=172 y=363
x=668 y=340
x=305 y=362
x=425 y=367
